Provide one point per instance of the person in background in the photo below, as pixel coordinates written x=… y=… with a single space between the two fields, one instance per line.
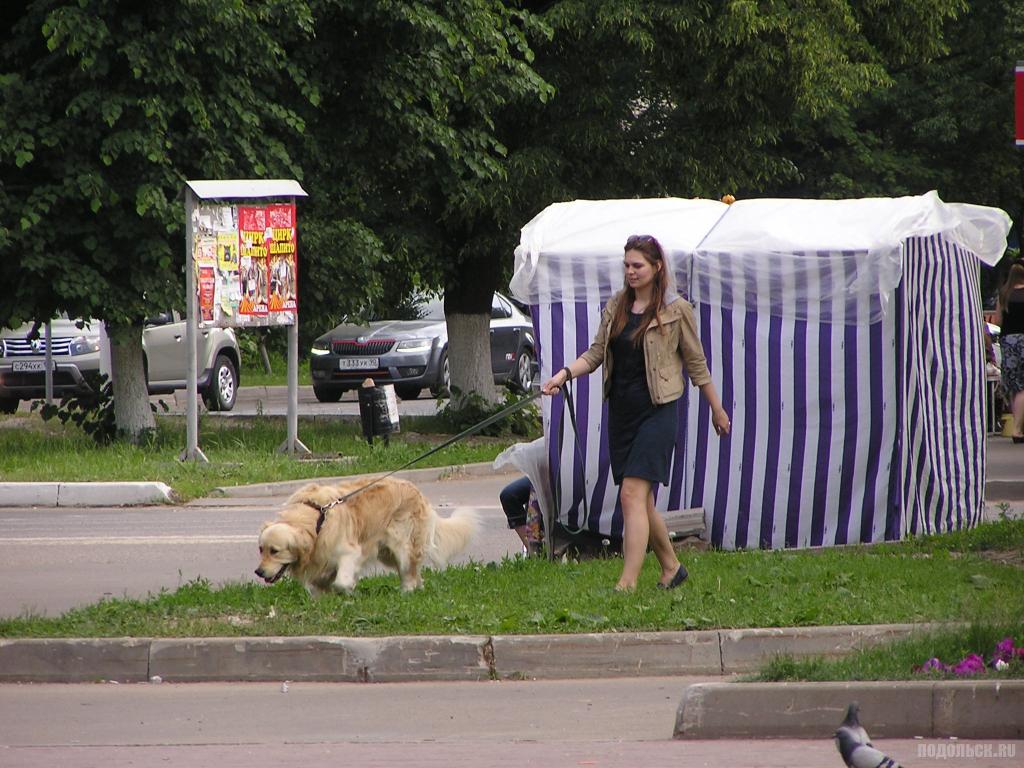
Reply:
x=990 y=348
x=645 y=339
x=515 y=498
x=1010 y=318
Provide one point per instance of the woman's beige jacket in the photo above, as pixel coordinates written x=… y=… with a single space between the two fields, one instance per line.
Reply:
x=669 y=343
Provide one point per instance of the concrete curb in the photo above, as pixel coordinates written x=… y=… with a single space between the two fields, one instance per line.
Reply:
x=84 y=494
x=928 y=709
x=398 y=659
x=334 y=659
x=126 y=494
x=1003 y=490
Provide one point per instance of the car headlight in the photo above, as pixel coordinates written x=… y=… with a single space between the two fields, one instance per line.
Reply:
x=83 y=345
x=414 y=345
x=321 y=347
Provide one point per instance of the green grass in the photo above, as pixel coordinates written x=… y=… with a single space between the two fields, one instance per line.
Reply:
x=241 y=451
x=898 y=660
x=936 y=579
x=253 y=374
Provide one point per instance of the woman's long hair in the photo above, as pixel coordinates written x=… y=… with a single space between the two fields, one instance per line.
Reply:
x=651 y=250
x=1014 y=281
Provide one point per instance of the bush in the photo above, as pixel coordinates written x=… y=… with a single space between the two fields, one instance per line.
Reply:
x=472 y=409
x=92 y=411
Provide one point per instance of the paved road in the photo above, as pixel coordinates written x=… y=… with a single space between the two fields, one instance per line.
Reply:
x=619 y=723
x=273 y=401
x=60 y=558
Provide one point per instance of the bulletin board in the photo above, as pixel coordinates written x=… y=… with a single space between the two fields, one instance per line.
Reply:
x=245 y=261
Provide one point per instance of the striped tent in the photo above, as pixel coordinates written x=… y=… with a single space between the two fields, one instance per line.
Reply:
x=844 y=338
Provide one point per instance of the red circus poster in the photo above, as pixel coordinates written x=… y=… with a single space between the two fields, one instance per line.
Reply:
x=282 y=266
x=207 y=287
x=252 y=263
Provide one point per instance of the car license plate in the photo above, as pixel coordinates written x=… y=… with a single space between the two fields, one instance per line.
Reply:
x=21 y=366
x=359 y=363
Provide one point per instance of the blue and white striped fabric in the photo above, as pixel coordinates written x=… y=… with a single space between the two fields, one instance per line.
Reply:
x=812 y=459
x=844 y=430
x=943 y=451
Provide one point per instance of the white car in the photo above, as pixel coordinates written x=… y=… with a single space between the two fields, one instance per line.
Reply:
x=76 y=359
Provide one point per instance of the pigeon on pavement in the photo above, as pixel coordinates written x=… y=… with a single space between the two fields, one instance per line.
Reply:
x=855 y=746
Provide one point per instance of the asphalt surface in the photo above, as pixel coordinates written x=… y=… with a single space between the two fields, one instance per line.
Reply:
x=58 y=558
x=557 y=724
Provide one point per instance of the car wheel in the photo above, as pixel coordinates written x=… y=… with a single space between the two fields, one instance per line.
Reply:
x=8 y=404
x=522 y=378
x=220 y=395
x=407 y=391
x=325 y=395
x=444 y=378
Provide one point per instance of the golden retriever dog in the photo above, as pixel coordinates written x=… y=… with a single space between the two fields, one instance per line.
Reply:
x=389 y=522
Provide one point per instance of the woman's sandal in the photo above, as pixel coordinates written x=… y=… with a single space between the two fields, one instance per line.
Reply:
x=678 y=579
x=1018 y=439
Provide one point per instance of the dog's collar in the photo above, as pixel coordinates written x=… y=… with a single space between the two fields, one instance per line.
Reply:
x=323 y=511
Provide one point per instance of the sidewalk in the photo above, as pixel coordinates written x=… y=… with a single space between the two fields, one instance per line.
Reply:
x=613 y=723
x=975 y=709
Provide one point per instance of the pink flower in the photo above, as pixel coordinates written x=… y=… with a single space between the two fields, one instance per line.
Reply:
x=1004 y=650
x=971 y=665
x=933 y=665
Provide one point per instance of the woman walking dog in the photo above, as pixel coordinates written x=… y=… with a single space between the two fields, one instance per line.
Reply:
x=644 y=340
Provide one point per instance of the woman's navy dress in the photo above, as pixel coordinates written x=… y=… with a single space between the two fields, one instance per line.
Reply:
x=641 y=435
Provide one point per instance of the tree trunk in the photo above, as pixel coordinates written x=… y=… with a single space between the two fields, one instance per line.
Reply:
x=469 y=355
x=132 y=414
x=467 y=306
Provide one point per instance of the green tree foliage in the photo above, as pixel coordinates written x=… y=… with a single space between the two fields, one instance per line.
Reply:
x=109 y=105
x=106 y=107
x=694 y=99
x=945 y=123
x=403 y=136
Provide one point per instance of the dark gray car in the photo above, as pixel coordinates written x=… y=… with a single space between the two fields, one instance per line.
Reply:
x=413 y=354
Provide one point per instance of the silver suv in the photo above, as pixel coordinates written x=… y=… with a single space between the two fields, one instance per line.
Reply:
x=76 y=358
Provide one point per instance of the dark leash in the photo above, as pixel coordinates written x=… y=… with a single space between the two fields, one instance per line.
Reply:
x=465 y=433
x=570 y=406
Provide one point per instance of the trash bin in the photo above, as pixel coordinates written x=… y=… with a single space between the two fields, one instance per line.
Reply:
x=378 y=410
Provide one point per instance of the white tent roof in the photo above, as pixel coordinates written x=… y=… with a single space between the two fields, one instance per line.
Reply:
x=584 y=237
x=590 y=226
x=868 y=224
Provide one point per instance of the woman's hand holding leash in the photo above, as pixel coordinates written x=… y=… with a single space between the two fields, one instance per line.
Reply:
x=556 y=382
